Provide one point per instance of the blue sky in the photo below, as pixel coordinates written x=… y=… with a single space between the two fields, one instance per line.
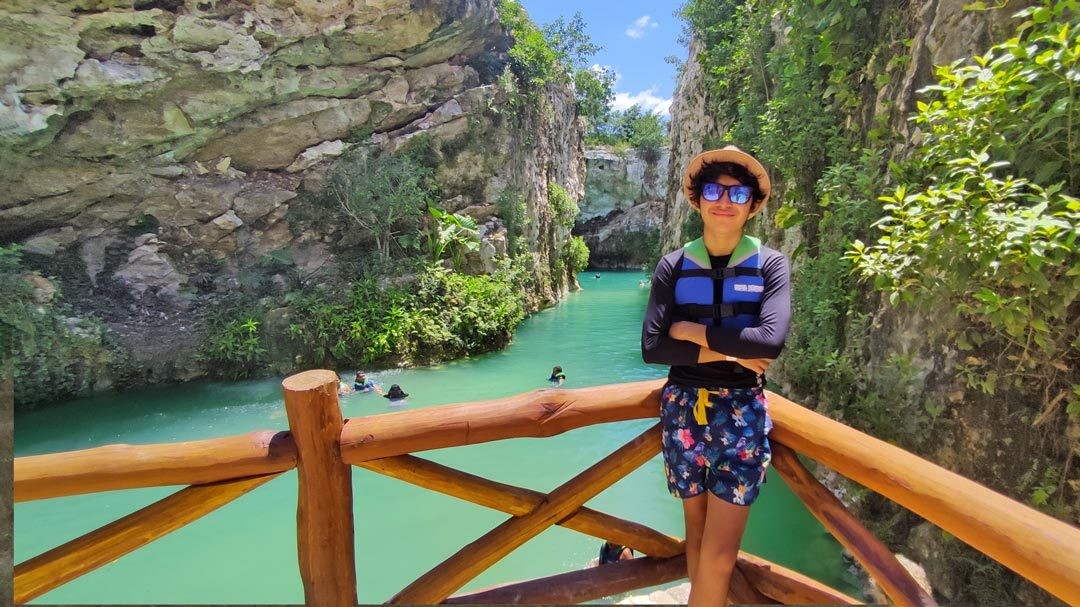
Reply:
x=636 y=36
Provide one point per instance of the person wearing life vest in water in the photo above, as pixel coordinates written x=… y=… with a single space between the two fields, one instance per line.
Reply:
x=362 y=384
x=557 y=375
x=718 y=314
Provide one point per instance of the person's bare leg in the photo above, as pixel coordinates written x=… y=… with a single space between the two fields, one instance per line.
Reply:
x=724 y=525
x=694 y=516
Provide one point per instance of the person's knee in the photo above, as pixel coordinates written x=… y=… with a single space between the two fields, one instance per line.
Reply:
x=720 y=556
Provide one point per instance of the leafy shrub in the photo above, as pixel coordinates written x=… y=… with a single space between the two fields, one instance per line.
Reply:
x=443 y=315
x=576 y=254
x=51 y=351
x=382 y=194
x=234 y=346
x=532 y=59
x=510 y=207
x=563 y=208
x=998 y=250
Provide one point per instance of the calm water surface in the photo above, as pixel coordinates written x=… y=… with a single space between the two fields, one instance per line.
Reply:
x=246 y=551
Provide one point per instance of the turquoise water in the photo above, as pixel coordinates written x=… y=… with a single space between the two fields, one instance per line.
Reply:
x=246 y=551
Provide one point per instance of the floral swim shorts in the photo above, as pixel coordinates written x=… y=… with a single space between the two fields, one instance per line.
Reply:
x=718 y=443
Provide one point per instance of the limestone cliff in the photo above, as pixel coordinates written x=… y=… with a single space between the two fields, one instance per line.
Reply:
x=622 y=208
x=989 y=438
x=154 y=152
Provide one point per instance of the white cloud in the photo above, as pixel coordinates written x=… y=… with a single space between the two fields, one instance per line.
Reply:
x=647 y=99
x=639 y=27
x=598 y=69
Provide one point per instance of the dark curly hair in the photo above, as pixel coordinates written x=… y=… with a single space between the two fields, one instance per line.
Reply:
x=711 y=170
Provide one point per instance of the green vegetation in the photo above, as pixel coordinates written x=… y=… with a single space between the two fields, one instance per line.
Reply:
x=49 y=350
x=633 y=127
x=443 y=315
x=576 y=255
x=560 y=52
x=564 y=210
x=511 y=209
x=234 y=345
x=382 y=194
x=985 y=227
x=971 y=233
x=451 y=234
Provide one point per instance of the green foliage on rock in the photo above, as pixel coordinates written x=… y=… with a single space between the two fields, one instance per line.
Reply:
x=510 y=207
x=234 y=345
x=576 y=254
x=450 y=234
x=532 y=58
x=633 y=127
x=384 y=194
x=989 y=230
x=442 y=315
x=51 y=352
x=564 y=210
x=559 y=52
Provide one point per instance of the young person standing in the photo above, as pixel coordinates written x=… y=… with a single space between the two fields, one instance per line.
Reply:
x=718 y=313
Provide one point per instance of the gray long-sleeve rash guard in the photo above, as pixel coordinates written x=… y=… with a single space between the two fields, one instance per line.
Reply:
x=765 y=340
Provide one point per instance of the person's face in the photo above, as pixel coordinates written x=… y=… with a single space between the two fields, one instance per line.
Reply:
x=722 y=214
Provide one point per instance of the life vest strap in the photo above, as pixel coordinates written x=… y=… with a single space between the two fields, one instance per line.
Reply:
x=717 y=311
x=721 y=273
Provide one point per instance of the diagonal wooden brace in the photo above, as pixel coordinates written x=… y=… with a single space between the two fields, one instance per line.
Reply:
x=519 y=501
x=453 y=573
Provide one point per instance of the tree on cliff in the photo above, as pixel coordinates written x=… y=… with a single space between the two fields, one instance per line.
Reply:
x=382 y=194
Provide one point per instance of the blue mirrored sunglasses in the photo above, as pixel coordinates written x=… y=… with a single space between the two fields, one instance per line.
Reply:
x=738 y=194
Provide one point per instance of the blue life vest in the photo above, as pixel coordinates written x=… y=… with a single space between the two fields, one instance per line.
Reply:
x=742 y=281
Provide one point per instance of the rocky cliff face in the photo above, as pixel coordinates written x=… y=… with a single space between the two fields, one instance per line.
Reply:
x=693 y=121
x=155 y=150
x=978 y=435
x=622 y=209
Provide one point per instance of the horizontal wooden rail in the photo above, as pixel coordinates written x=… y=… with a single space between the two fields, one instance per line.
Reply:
x=786 y=586
x=582 y=585
x=103 y=546
x=539 y=413
x=1038 y=547
x=519 y=501
x=776 y=582
x=874 y=556
x=130 y=466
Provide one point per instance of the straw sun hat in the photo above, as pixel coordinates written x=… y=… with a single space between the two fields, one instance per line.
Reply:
x=728 y=154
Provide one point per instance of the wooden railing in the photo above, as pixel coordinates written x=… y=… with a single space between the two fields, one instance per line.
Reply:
x=323 y=447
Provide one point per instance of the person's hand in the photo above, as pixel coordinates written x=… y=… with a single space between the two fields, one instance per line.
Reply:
x=757 y=365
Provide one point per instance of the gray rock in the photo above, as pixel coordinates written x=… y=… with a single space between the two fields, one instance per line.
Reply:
x=255 y=201
x=50 y=241
x=227 y=222
x=316 y=154
x=95 y=76
x=149 y=269
x=199 y=201
x=193 y=33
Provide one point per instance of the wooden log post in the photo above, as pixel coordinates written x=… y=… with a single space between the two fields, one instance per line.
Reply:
x=324 y=524
x=872 y=554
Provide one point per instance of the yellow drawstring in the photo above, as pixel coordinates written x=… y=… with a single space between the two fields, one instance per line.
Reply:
x=699 y=406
